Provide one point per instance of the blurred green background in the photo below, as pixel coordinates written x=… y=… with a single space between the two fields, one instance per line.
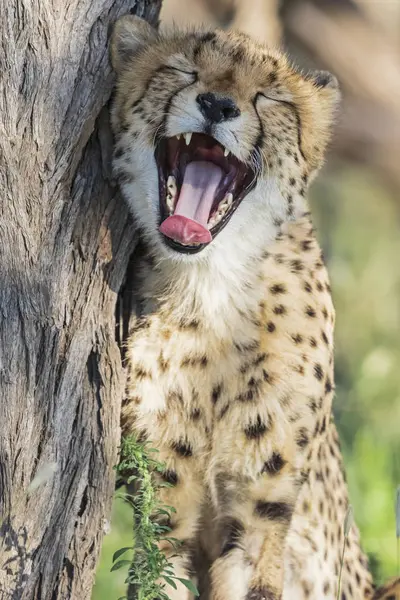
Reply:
x=358 y=227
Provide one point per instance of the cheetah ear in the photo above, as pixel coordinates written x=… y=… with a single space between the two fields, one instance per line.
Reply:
x=129 y=36
x=323 y=79
x=326 y=83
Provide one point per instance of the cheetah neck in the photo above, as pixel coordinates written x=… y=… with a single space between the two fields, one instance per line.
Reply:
x=223 y=291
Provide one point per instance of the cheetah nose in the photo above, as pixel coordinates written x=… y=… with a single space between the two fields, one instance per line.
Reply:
x=217 y=108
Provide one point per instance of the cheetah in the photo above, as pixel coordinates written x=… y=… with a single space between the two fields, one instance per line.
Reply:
x=230 y=358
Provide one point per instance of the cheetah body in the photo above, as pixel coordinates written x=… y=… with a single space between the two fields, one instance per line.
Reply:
x=231 y=361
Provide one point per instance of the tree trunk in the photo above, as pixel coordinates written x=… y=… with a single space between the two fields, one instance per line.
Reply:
x=65 y=241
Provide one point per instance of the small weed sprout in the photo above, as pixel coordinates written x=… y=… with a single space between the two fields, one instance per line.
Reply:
x=149 y=570
x=348 y=523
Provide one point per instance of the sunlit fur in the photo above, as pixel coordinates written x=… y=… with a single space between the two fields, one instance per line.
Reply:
x=230 y=368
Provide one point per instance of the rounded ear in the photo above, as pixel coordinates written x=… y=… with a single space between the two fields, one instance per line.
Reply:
x=323 y=79
x=130 y=34
x=327 y=83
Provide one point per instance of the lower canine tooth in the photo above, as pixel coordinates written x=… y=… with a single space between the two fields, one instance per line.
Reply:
x=171 y=184
x=229 y=199
x=226 y=152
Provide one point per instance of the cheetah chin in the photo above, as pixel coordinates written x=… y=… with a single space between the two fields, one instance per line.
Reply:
x=201 y=185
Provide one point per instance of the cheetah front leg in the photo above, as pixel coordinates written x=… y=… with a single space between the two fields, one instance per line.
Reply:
x=257 y=473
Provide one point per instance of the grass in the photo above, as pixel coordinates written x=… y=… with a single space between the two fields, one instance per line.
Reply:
x=150 y=572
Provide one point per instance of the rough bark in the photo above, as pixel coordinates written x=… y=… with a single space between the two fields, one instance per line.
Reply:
x=65 y=242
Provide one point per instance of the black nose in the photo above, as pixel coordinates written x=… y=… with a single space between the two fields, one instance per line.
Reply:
x=217 y=108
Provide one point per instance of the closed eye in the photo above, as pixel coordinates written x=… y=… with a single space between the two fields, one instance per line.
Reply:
x=272 y=99
x=194 y=73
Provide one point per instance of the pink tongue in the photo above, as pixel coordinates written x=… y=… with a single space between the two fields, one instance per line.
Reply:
x=188 y=224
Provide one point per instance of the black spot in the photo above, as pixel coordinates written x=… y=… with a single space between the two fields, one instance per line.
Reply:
x=306 y=245
x=182 y=448
x=296 y=265
x=292 y=181
x=170 y=476
x=302 y=438
x=328 y=385
x=267 y=377
x=260 y=358
x=246 y=396
x=299 y=369
x=232 y=530
x=279 y=257
x=271 y=327
x=280 y=309
x=208 y=37
x=195 y=414
x=274 y=464
x=238 y=54
x=203 y=361
x=275 y=511
x=325 y=338
x=255 y=430
x=323 y=426
x=307 y=287
x=272 y=77
x=216 y=392
x=318 y=372
x=310 y=312
x=247 y=346
x=297 y=338
x=278 y=288
x=141 y=373
x=313 y=342
x=163 y=363
x=313 y=405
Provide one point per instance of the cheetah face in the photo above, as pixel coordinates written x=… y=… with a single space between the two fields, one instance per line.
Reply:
x=215 y=135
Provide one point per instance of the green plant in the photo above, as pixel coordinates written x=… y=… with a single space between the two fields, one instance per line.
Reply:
x=150 y=571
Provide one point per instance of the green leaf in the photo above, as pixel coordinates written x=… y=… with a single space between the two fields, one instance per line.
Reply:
x=170 y=581
x=120 y=564
x=348 y=521
x=189 y=585
x=120 y=552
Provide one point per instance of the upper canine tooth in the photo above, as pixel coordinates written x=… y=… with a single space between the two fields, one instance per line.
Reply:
x=188 y=137
x=178 y=136
x=226 y=152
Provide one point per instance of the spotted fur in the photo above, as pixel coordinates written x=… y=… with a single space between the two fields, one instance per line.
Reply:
x=231 y=363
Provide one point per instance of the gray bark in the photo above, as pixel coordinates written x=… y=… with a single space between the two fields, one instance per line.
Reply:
x=65 y=242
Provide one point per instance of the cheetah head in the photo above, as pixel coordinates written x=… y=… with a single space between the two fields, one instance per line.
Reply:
x=217 y=137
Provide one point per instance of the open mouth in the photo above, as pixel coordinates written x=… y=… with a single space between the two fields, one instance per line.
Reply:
x=201 y=185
